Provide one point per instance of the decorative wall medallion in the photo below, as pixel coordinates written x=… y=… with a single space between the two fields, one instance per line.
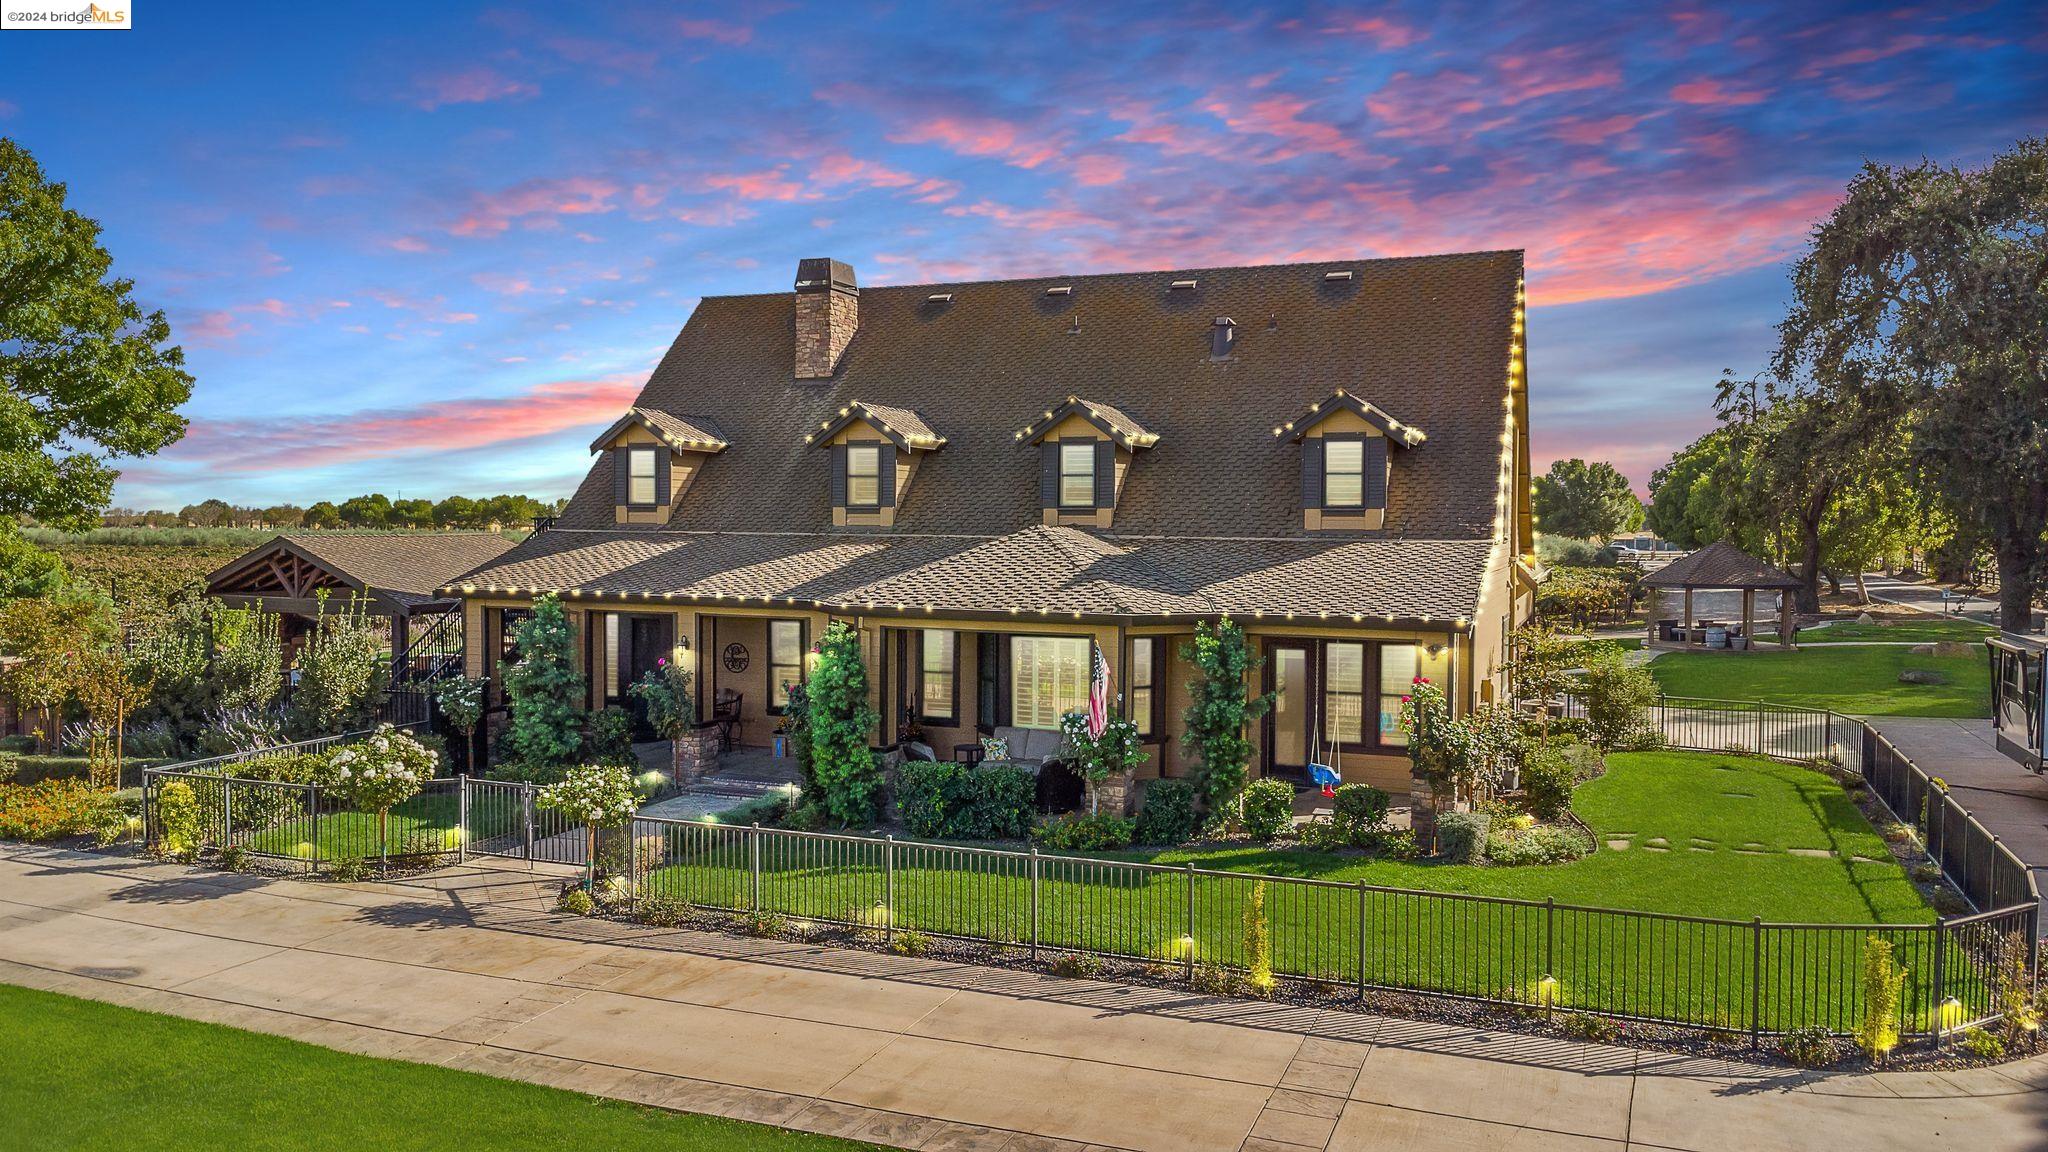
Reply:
x=736 y=659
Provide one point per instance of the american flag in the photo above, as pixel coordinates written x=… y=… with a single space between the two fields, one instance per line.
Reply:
x=1098 y=694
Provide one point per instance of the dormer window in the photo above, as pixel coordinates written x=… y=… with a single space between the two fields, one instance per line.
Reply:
x=875 y=452
x=641 y=475
x=864 y=475
x=1086 y=449
x=654 y=456
x=1344 y=469
x=1077 y=473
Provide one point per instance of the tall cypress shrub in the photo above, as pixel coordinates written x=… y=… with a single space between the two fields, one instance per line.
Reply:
x=845 y=768
x=542 y=689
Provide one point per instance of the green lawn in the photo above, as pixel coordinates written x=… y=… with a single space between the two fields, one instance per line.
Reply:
x=1855 y=680
x=1918 y=629
x=1728 y=827
x=102 y=1076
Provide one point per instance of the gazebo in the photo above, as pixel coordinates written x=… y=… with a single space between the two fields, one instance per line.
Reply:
x=1719 y=567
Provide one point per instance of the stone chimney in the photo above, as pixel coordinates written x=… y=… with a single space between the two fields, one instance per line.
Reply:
x=827 y=312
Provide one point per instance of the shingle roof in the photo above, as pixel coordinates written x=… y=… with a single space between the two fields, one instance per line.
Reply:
x=1426 y=338
x=906 y=428
x=683 y=433
x=409 y=566
x=1719 y=565
x=1114 y=423
x=1407 y=435
x=1057 y=571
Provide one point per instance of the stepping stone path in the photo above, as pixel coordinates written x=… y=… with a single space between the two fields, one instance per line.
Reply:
x=1817 y=853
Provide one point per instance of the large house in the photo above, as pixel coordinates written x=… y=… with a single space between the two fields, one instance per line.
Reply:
x=989 y=478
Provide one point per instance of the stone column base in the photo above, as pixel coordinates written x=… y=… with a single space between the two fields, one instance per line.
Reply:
x=696 y=753
x=1113 y=794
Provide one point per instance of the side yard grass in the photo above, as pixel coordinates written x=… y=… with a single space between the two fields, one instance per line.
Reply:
x=1918 y=629
x=1858 y=681
x=104 y=1076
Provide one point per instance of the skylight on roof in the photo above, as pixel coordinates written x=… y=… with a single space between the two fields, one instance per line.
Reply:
x=1060 y=290
x=1178 y=285
x=1340 y=274
x=939 y=298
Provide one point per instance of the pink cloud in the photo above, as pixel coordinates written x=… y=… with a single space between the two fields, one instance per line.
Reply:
x=269 y=445
x=1592 y=132
x=535 y=202
x=1096 y=170
x=971 y=135
x=478 y=85
x=502 y=283
x=717 y=31
x=1712 y=93
x=1280 y=117
x=409 y=244
x=1388 y=35
x=769 y=184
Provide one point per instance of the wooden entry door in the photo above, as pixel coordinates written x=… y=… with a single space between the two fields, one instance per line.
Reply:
x=1289 y=728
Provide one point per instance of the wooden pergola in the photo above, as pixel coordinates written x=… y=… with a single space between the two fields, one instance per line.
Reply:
x=389 y=574
x=1719 y=567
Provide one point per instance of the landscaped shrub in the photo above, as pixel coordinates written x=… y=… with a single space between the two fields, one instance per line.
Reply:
x=1461 y=836
x=597 y=796
x=342 y=668
x=1359 y=813
x=1258 y=943
x=910 y=942
x=1810 y=1047
x=661 y=912
x=1077 y=965
x=848 y=774
x=608 y=737
x=1586 y=1026
x=1618 y=698
x=1222 y=710
x=766 y=924
x=543 y=689
x=54 y=809
x=348 y=870
x=2012 y=993
x=1212 y=979
x=1548 y=777
x=576 y=902
x=234 y=857
x=1268 y=808
x=1096 y=758
x=770 y=810
x=1540 y=845
x=1169 y=815
x=177 y=815
x=1322 y=836
x=1983 y=1045
x=382 y=772
x=963 y=802
x=1397 y=844
x=1883 y=981
x=1079 y=833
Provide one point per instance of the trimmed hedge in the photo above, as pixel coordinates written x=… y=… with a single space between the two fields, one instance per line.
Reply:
x=1169 y=815
x=950 y=801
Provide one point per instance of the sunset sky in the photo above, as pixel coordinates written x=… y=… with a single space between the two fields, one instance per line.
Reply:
x=421 y=249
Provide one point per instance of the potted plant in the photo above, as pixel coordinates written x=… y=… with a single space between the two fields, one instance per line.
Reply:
x=1112 y=754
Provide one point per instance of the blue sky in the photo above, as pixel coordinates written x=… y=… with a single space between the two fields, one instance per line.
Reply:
x=427 y=249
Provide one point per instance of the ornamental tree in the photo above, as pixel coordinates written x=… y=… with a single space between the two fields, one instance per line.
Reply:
x=1223 y=708
x=341 y=672
x=52 y=638
x=595 y=796
x=461 y=701
x=1116 y=751
x=842 y=763
x=385 y=770
x=671 y=706
x=542 y=688
x=1585 y=501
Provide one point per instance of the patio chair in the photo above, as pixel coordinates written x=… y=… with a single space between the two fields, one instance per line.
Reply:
x=725 y=712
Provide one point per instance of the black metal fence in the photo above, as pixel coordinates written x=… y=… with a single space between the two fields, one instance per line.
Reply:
x=1982 y=867
x=1779 y=731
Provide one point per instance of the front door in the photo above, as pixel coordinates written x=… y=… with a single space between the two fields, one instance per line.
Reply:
x=1288 y=733
x=644 y=641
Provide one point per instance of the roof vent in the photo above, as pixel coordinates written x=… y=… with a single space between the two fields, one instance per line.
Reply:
x=1060 y=290
x=939 y=298
x=1074 y=328
x=1340 y=274
x=1222 y=337
x=1179 y=285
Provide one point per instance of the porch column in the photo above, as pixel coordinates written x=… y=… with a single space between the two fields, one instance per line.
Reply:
x=1784 y=620
x=1749 y=616
x=401 y=639
x=1685 y=623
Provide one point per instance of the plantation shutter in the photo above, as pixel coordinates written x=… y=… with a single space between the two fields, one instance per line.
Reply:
x=1105 y=474
x=1049 y=474
x=885 y=484
x=839 y=475
x=1375 y=472
x=661 y=476
x=622 y=471
x=1312 y=473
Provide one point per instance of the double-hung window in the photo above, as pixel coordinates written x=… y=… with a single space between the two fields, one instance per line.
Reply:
x=1343 y=473
x=1077 y=474
x=640 y=473
x=785 y=660
x=1144 y=684
x=1048 y=679
x=938 y=697
x=863 y=475
x=1344 y=692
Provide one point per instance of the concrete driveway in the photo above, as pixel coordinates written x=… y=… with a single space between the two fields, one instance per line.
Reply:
x=469 y=969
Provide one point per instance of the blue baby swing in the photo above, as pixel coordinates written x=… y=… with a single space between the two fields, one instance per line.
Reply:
x=1323 y=774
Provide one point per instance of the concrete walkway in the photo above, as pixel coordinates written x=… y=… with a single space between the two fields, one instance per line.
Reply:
x=468 y=969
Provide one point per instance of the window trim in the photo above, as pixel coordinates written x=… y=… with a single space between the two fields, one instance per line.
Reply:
x=951 y=718
x=1085 y=448
x=1152 y=723
x=1011 y=663
x=1344 y=438
x=634 y=454
x=803 y=647
x=865 y=446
